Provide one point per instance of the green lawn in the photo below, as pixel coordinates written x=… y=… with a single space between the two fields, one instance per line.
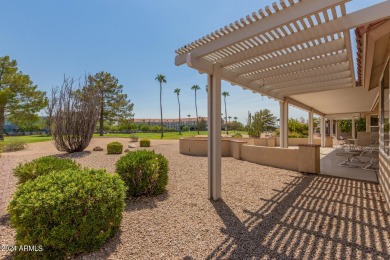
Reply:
x=167 y=136
x=28 y=139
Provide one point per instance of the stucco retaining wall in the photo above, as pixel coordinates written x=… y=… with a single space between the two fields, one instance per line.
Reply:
x=272 y=156
x=303 y=158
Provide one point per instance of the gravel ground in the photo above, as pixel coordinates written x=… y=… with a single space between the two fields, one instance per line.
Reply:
x=265 y=212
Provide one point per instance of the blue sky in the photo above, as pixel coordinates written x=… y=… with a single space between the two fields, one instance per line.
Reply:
x=134 y=41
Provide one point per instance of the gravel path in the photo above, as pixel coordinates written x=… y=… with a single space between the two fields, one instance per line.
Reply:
x=265 y=212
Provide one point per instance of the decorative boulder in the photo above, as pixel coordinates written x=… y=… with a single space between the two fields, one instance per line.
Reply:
x=127 y=150
x=97 y=149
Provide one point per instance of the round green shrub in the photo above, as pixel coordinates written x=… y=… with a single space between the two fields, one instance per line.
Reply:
x=43 y=166
x=115 y=148
x=144 y=143
x=68 y=212
x=144 y=172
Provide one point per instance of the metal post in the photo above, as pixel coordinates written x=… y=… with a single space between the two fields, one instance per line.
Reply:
x=214 y=139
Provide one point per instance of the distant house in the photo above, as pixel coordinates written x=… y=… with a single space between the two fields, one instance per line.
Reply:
x=9 y=127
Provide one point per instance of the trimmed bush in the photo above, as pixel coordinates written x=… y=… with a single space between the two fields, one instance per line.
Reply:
x=144 y=143
x=134 y=138
x=67 y=213
x=14 y=146
x=237 y=135
x=144 y=172
x=43 y=166
x=114 y=148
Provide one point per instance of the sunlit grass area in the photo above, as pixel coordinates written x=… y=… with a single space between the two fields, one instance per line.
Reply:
x=167 y=136
x=28 y=138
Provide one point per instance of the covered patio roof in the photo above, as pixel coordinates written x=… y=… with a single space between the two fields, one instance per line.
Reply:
x=291 y=49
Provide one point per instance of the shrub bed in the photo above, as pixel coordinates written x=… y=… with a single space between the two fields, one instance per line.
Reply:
x=43 y=166
x=67 y=213
x=144 y=143
x=144 y=172
x=134 y=138
x=14 y=146
x=114 y=148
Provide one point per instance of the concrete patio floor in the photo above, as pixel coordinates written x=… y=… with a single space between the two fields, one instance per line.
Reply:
x=330 y=166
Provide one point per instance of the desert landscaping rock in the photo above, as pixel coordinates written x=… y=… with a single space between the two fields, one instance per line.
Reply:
x=265 y=212
x=131 y=146
x=97 y=149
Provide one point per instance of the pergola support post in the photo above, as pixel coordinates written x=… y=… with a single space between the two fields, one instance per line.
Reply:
x=283 y=124
x=323 y=131
x=214 y=133
x=331 y=128
x=311 y=127
x=368 y=123
x=353 y=128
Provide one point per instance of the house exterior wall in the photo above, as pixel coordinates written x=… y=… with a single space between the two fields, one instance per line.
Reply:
x=384 y=176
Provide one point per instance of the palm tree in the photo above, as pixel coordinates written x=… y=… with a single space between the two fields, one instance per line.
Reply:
x=226 y=94
x=195 y=88
x=161 y=79
x=177 y=92
x=235 y=119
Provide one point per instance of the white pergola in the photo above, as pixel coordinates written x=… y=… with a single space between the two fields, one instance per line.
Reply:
x=297 y=52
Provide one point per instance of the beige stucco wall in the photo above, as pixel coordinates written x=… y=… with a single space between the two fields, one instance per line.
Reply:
x=271 y=156
x=197 y=146
x=303 y=141
x=304 y=159
x=384 y=177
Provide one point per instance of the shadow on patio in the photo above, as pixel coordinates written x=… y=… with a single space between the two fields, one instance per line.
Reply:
x=311 y=217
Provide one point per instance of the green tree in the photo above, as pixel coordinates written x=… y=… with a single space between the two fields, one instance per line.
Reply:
x=114 y=105
x=262 y=121
x=345 y=126
x=177 y=92
x=297 y=129
x=196 y=88
x=226 y=94
x=360 y=124
x=161 y=79
x=20 y=100
x=202 y=125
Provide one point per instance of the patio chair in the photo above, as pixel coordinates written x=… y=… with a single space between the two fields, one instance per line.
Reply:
x=374 y=159
x=346 y=145
x=350 y=156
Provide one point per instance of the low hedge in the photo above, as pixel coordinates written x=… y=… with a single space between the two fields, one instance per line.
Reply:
x=144 y=172
x=13 y=146
x=144 y=143
x=67 y=213
x=115 y=148
x=43 y=166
